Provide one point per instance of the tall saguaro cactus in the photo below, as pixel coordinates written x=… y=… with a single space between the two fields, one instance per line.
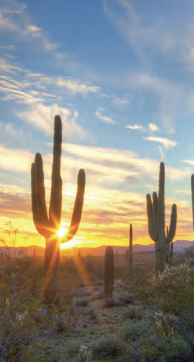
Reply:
x=156 y=222
x=48 y=224
x=130 y=247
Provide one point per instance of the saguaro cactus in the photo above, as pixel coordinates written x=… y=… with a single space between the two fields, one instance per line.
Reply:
x=130 y=247
x=108 y=272
x=48 y=225
x=156 y=222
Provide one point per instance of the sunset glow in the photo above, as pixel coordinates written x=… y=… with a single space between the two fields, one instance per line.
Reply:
x=62 y=231
x=122 y=82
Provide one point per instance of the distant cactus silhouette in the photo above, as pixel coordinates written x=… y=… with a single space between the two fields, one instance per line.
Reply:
x=156 y=222
x=48 y=225
x=131 y=248
x=108 y=272
x=192 y=196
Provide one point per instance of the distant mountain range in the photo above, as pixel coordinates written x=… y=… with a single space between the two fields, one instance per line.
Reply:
x=179 y=246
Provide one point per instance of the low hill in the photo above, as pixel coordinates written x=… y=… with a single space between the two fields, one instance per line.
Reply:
x=179 y=246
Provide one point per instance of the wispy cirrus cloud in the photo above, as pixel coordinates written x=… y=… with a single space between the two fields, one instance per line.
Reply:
x=175 y=35
x=105 y=118
x=164 y=141
x=25 y=78
x=29 y=89
x=189 y=162
x=75 y=87
x=42 y=117
x=14 y=18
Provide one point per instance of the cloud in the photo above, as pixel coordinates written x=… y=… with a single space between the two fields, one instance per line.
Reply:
x=33 y=29
x=28 y=79
x=120 y=101
x=75 y=87
x=121 y=163
x=152 y=127
x=135 y=127
x=142 y=30
x=14 y=18
x=189 y=162
x=165 y=141
x=42 y=117
x=104 y=119
x=15 y=160
x=168 y=95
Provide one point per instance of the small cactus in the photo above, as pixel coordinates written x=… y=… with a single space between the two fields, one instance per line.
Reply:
x=84 y=355
x=109 y=272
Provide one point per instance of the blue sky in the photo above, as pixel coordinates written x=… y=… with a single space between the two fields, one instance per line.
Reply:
x=120 y=73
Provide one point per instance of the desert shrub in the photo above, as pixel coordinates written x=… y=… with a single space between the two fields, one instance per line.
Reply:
x=108 y=302
x=109 y=346
x=98 y=283
x=123 y=298
x=83 y=301
x=136 y=329
x=73 y=347
x=17 y=329
x=24 y=263
x=89 y=262
x=132 y=312
x=88 y=291
x=92 y=312
x=68 y=266
x=189 y=253
x=158 y=349
x=163 y=296
x=98 y=294
x=84 y=283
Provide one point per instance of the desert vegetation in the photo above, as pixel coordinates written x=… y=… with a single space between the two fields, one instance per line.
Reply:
x=145 y=319
x=86 y=308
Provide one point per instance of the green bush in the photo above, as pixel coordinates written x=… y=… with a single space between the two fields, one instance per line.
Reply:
x=73 y=347
x=92 y=313
x=109 y=346
x=136 y=329
x=99 y=294
x=158 y=349
x=83 y=301
x=124 y=297
x=132 y=312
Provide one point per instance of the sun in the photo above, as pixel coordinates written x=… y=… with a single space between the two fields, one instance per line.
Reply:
x=62 y=231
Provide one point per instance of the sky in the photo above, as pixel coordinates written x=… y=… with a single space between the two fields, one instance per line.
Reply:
x=120 y=73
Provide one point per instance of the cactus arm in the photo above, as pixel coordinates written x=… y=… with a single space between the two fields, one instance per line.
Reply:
x=173 y=222
x=151 y=224
x=77 y=211
x=39 y=212
x=166 y=231
x=167 y=253
x=155 y=206
x=171 y=253
x=192 y=195
x=161 y=206
x=56 y=183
